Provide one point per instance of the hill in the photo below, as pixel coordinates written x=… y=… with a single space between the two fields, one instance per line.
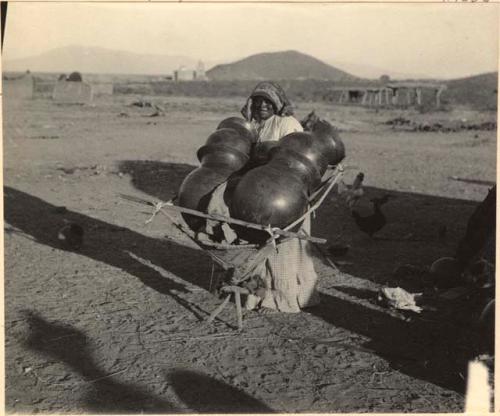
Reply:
x=479 y=91
x=98 y=60
x=287 y=65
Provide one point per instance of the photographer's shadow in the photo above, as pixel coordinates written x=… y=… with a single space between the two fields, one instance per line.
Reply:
x=100 y=392
x=107 y=393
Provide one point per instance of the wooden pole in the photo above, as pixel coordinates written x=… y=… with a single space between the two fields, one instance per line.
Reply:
x=395 y=96
x=408 y=96
x=219 y=309
x=418 y=92
x=239 y=222
x=438 y=96
x=341 y=98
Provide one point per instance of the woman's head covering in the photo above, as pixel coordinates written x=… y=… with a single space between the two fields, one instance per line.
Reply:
x=274 y=93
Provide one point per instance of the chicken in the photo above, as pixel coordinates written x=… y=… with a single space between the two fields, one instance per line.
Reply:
x=71 y=236
x=338 y=250
x=309 y=121
x=374 y=222
x=356 y=190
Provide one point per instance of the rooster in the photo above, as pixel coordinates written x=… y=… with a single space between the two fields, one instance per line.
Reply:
x=374 y=222
x=356 y=190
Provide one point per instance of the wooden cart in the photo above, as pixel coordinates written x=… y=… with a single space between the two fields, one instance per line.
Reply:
x=243 y=259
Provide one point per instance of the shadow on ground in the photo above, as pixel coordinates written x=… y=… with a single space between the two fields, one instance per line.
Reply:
x=102 y=393
x=159 y=179
x=204 y=394
x=433 y=351
x=113 y=245
x=428 y=349
x=420 y=229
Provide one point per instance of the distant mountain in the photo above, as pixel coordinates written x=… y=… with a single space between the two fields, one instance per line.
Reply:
x=287 y=65
x=99 y=60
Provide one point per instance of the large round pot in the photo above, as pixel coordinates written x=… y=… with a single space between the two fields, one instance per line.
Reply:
x=242 y=126
x=296 y=164
x=268 y=195
x=230 y=138
x=333 y=146
x=226 y=151
x=195 y=192
x=222 y=157
x=262 y=152
x=305 y=144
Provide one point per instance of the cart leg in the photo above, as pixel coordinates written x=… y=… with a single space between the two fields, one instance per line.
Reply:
x=239 y=313
x=219 y=309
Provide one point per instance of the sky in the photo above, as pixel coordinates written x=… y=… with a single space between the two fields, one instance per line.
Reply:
x=436 y=40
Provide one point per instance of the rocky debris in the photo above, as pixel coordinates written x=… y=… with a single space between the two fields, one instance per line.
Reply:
x=45 y=137
x=398 y=121
x=451 y=127
x=142 y=104
x=159 y=110
x=90 y=170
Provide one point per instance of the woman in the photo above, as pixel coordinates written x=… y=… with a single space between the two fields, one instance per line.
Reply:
x=288 y=273
x=271 y=112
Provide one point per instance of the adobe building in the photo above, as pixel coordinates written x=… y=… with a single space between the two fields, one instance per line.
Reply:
x=392 y=94
x=72 y=90
x=185 y=74
x=20 y=87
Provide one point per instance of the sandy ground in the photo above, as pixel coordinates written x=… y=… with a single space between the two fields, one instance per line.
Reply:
x=117 y=326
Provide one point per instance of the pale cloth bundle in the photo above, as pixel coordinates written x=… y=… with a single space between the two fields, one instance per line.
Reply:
x=290 y=276
x=276 y=127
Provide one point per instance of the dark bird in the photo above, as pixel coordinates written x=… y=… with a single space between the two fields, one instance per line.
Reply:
x=71 y=236
x=374 y=222
x=356 y=191
x=338 y=250
x=358 y=180
x=309 y=121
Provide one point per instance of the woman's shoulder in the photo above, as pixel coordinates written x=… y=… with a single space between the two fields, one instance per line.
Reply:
x=290 y=124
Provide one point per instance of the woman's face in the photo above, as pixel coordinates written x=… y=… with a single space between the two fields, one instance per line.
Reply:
x=262 y=107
